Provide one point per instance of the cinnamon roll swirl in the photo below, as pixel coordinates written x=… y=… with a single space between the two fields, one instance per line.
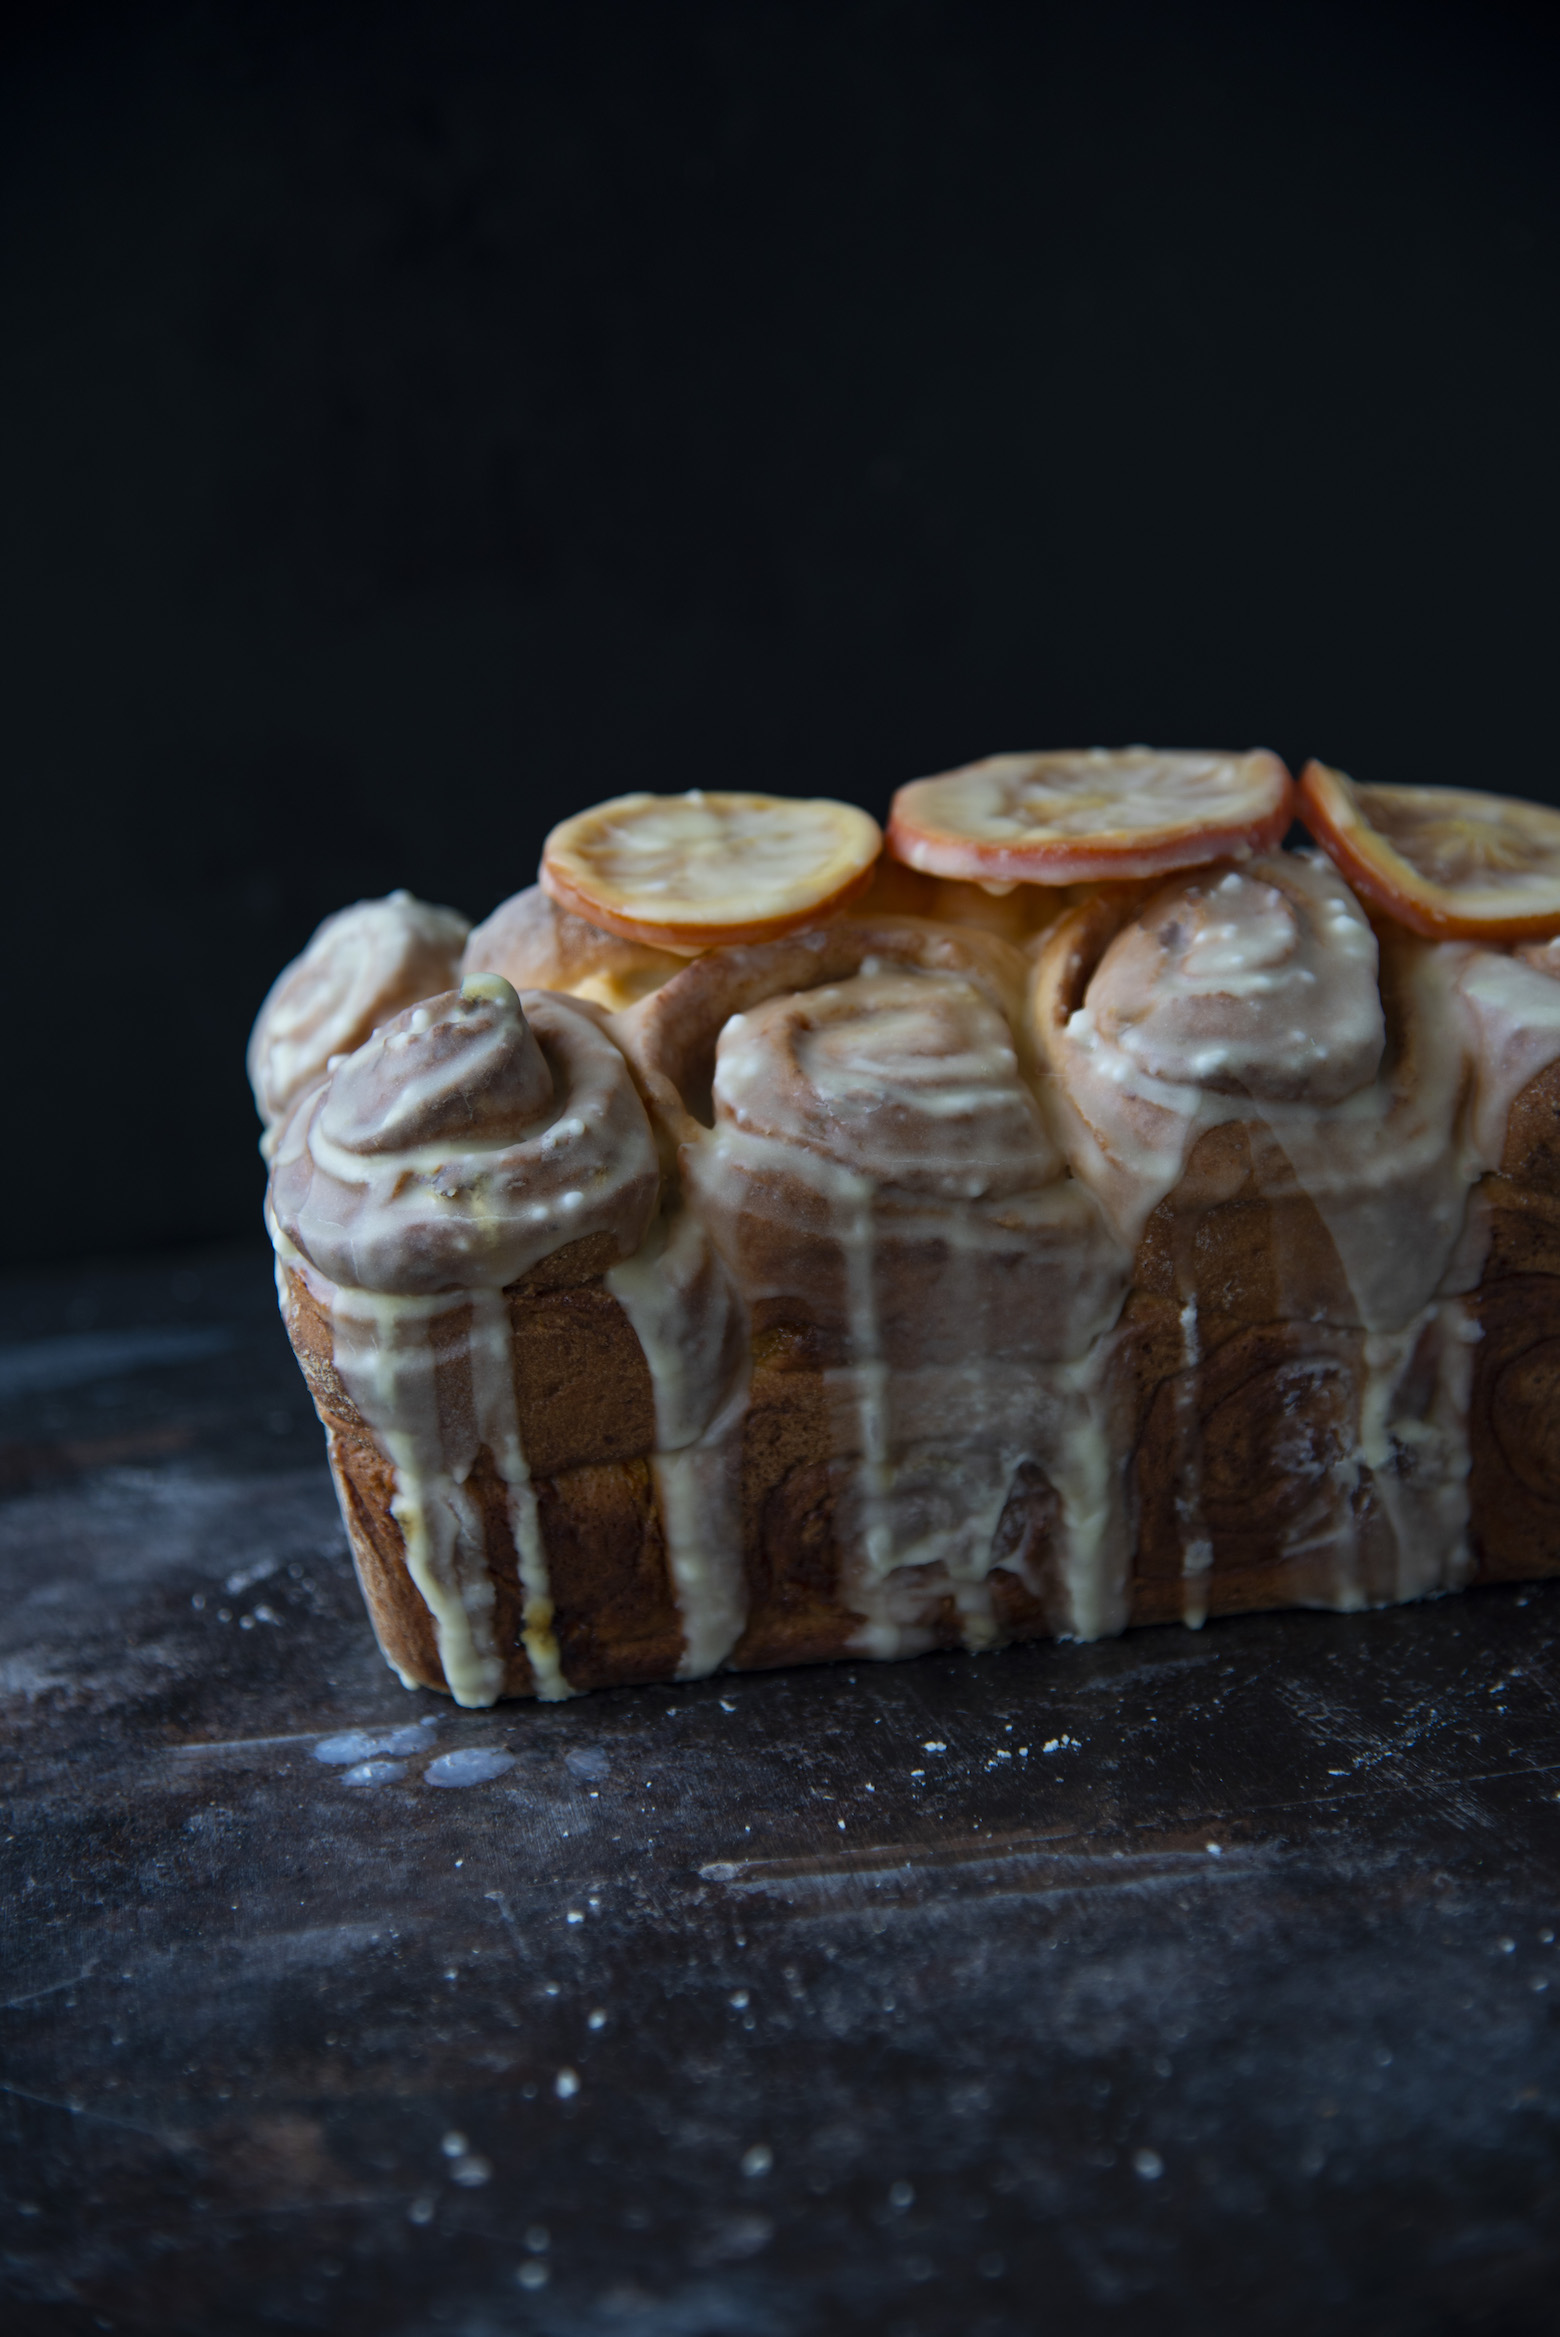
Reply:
x=363 y=966
x=470 y=1139
x=859 y=1133
x=1268 y=1104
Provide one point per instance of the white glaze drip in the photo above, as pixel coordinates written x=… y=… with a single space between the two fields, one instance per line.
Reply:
x=491 y=1347
x=699 y=1494
x=1419 y=1463
x=689 y=1326
x=384 y=1355
x=1196 y=1547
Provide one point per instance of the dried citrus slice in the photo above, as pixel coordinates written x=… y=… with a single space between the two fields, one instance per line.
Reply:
x=689 y=872
x=1079 y=817
x=1448 y=862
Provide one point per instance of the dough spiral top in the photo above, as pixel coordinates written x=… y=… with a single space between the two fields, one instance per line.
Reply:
x=906 y=1077
x=469 y=1139
x=1258 y=981
x=363 y=965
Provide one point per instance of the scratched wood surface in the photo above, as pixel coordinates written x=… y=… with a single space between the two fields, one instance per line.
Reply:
x=1185 y=1982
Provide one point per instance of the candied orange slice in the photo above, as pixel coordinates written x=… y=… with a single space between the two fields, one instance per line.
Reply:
x=1081 y=817
x=1448 y=862
x=690 y=872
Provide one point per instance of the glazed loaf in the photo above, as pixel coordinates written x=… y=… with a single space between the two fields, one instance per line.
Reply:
x=924 y=1280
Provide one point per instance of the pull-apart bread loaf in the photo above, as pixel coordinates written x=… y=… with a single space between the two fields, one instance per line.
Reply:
x=745 y=1249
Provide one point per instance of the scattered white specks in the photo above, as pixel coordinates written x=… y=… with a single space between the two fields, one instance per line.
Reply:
x=922 y=1773
x=1538 y=1984
x=1508 y=1947
x=934 y=1745
x=421 y=2210
x=739 y=2002
x=597 y=2019
x=575 y=1915
x=840 y=1822
x=538 y=2239
x=566 y=2085
x=758 y=2160
x=1149 y=2165
x=472 y=2172
x=454 y=2145
x=725 y=1707
x=1214 y=1849
x=533 y=2275
x=901 y=2195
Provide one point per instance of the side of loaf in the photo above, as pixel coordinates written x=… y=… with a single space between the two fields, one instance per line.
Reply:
x=950 y=1270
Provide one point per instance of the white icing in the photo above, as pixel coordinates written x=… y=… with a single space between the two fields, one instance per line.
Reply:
x=363 y=966
x=1515 y=1006
x=1196 y=1546
x=1380 y=1162
x=699 y=1495
x=690 y=1327
x=1419 y=1463
x=385 y=1358
x=461 y=1155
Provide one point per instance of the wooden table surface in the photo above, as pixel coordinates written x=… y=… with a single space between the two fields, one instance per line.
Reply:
x=1185 y=1982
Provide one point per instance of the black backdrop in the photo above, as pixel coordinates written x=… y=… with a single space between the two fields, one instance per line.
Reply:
x=418 y=422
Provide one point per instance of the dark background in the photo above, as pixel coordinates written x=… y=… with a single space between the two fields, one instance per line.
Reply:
x=419 y=422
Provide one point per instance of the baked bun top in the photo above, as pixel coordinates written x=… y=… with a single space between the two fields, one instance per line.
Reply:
x=362 y=966
x=470 y=1139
